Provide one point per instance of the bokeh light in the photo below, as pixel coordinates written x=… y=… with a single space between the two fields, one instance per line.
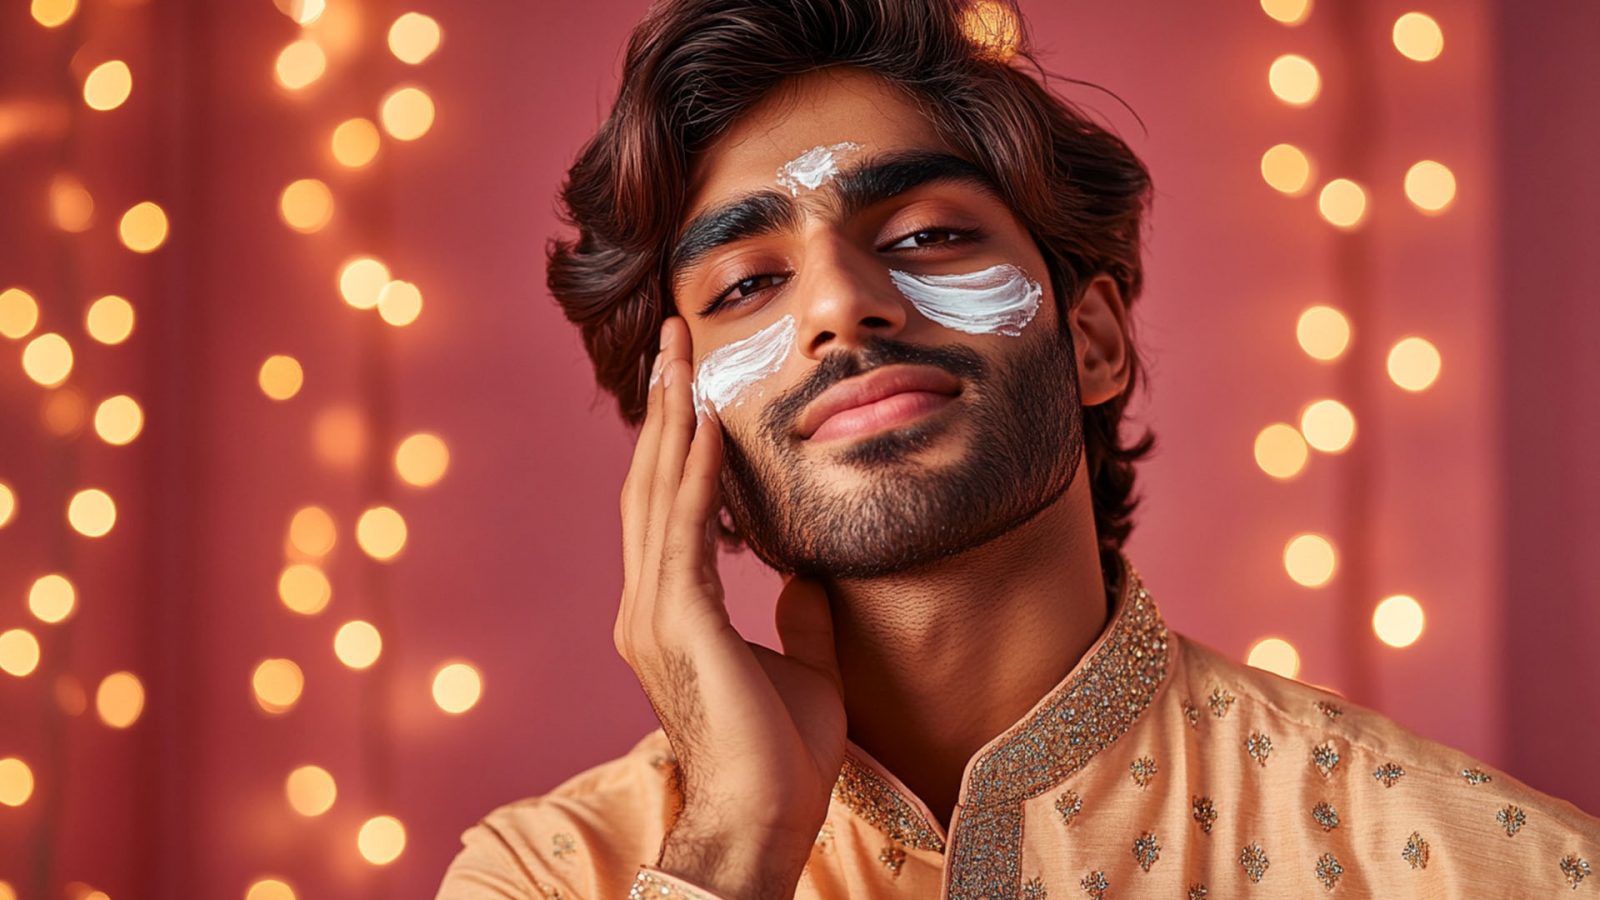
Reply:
x=269 y=889
x=421 y=459
x=306 y=205
x=108 y=85
x=1430 y=186
x=355 y=143
x=71 y=204
x=1275 y=655
x=304 y=588
x=311 y=790
x=280 y=377
x=1413 y=363
x=47 y=359
x=357 y=644
x=1309 y=559
x=414 y=37
x=16 y=781
x=1280 y=450
x=303 y=12
x=118 y=420
x=1342 y=203
x=8 y=504
x=1289 y=12
x=1294 y=79
x=53 y=13
x=312 y=532
x=19 y=652
x=399 y=303
x=1398 y=620
x=381 y=840
x=1418 y=36
x=407 y=113
x=109 y=319
x=1323 y=332
x=339 y=436
x=51 y=598
x=457 y=687
x=1286 y=168
x=381 y=532
x=70 y=696
x=143 y=227
x=91 y=512
x=1328 y=425
x=65 y=412
x=120 y=699
x=19 y=313
x=361 y=280
x=300 y=64
x=277 y=684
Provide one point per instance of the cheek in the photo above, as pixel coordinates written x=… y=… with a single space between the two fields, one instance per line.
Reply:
x=726 y=374
x=998 y=300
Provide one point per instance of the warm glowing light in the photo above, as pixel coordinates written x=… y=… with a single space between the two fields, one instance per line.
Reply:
x=357 y=644
x=1342 y=202
x=1294 y=79
x=143 y=227
x=71 y=205
x=1280 y=450
x=269 y=888
x=277 y=684
x=47 y=359
x=457 y=687
x=413 y=37
x=991 y=28
x=118 y=420
x=1309 y=559
x=1397 y=621
x=53 y=13
x=312 y=532
x=399 y=303
x=52 y=598
x=407 y=114
x=421 y=459
x=8 y=504
x=120 y=699
x=1289 y=12
x=70 y=695
x=1286 y=168
x=381 y=532
x=303 y=12
x=339 y=436
x=306 y=205
x=108 y=85
x=300 y=64
x=16 y=781
x=109 y=319
x=1414 y=363
x=1328 y=425
x=381 y=840
x=1430 y=186
x=355 y=142
x=1275 y=655
x=7 y=892
x=281 y=377
x=1323 y=332
x=304 y=589
x=361 y=280
x=19 y=652
x=1418 y=36
x=19 y=313
x=311 y=790
x=65 y=412
x=91 y=512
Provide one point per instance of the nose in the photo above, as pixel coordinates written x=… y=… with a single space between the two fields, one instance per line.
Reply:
x=844 y=298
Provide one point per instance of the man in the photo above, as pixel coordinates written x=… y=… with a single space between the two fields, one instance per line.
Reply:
x=866 y=286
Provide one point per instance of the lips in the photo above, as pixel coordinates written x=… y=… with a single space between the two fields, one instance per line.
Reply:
x=881 y=383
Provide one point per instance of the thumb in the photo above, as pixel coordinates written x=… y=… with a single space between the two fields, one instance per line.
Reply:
x=805 y=625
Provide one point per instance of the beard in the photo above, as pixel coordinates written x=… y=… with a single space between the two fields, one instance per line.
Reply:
x=1023 y=423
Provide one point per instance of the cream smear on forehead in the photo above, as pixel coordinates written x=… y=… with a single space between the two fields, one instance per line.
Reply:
x=725 y=373
x=813 y=168
x=997 y=300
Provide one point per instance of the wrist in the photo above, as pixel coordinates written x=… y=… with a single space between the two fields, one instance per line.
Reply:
x=741 y=863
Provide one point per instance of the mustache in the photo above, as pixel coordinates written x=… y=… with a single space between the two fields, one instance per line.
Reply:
x=779 y=418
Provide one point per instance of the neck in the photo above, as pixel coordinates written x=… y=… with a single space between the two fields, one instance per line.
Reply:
x=938 y=662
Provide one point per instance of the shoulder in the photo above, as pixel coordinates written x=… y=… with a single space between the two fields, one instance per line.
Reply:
x=585 y=837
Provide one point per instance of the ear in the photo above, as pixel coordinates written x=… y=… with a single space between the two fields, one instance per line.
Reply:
x=1100 y=339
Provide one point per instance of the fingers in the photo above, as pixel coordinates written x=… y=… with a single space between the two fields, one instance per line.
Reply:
x=698 y=498
x=677 y=427
x=636 y=486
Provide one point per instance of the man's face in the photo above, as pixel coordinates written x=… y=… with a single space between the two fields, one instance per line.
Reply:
x=833 y=239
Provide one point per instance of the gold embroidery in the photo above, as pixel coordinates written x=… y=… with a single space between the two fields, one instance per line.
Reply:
x=1325 y=757
x=876 y=801
x=1205 y=813
x=1329 y=870
x=893 y=858
x=1511 y=819
x=1388 y=773
x=1259 y=746
x=1143 y=770
x=1146 y=850
x=1575 y=869
x=1476 y=776
x=824 y=836
x=1069 y=804
x=1197 y=892
x=1254 y=860
x=1191 y=714
x=562 y=845
x=1328 y=709
x=1095 y=885
x=1220 y=700
x=1326 y=816
x=648 y=884
x=1034 y=890
x=1416 y=851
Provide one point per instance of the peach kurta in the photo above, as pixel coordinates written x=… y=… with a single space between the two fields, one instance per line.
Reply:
x=1156 y=768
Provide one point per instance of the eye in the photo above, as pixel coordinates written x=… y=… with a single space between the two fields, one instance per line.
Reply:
x=742 y=290
x=932 y=237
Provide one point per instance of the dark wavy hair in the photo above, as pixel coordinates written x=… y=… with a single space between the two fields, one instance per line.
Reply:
x=694 y=66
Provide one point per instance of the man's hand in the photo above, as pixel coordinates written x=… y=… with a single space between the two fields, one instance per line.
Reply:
x=759 y=735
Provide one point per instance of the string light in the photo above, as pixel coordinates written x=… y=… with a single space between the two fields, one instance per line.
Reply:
x=108 y=85
x=300 y=64
x=311 y=790
x=8 y=504
x=1294 y=79
x=306 y=205
x=19 y=313
x=312 y=532
x=1342 y=203
x=1398 y=620
x=71 y=205
x=1275 y=655
x=1289 y=12
x=421 y=459
x=304 y=588
x=1328 y=425
x=1286 y=168
x=1413 y=363
x=457 y=687
x=47 y=359
x=143 y=227
x=1309 y=559
x=355 y=144
x=52 y=598
x=1430 y=186
x=16 y=781
x=381 y=532
x=357 y=644
x=269 y=889
x=118 y=420
x=277 y=684
x=53 y=13
x=91 y=512
x=1323 y=333
x=120 y=699
x=406 y=113
x=1281 y=451
x=381 y=840
x=19 y=652
x=414 y=37
x=361 y=280
x=399 y=303
x=109 y=319
x=280 y=377
x=1418 y=37
x=303 y=12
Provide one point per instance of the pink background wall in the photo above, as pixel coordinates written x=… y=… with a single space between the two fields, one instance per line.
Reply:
x=1476 y=496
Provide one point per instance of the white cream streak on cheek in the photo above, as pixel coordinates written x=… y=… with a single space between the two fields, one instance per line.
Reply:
x=813 y=167
x=998 y=300
x=727 y=371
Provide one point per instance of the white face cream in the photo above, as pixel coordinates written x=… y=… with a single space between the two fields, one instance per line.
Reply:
x=813 y=168
x=998 y=300
x=725 y=373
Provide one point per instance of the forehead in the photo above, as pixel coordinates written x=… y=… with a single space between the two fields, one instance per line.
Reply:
x=827 y=107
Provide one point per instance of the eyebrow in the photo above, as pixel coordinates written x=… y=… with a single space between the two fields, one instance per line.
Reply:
x=770 y=211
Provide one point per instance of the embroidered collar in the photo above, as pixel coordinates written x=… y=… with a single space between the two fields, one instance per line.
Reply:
x=1094 y=705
